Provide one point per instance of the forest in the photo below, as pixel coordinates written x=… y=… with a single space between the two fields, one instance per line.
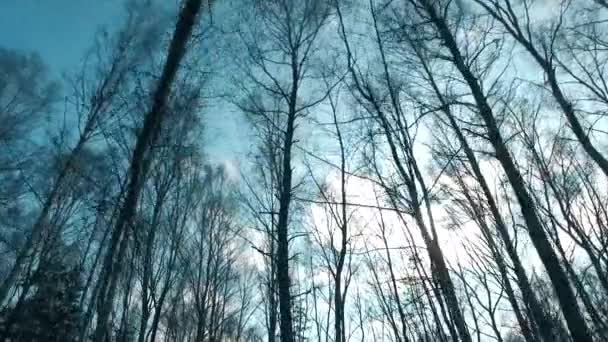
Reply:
x=413 y=171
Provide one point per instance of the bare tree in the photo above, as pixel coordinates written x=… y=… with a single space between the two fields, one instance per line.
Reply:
x=280 y=56
x=437 y=17
x=542 y=49
x=140 y=164
x=96 y=101
x=384 y=105
x=420 y=171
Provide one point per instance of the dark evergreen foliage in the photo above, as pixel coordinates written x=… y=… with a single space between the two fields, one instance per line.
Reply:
x=52 y=312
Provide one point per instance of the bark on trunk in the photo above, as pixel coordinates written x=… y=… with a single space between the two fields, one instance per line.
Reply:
x=576 y=322
x=283 y=281
x=140 y=161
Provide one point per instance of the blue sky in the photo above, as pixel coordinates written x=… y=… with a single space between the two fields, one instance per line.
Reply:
x=59 y=30
x=62 y=30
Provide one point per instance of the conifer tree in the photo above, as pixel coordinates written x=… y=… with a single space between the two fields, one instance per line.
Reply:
x=52 y=312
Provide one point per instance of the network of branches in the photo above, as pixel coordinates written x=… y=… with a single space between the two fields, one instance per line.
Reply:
x=404 y=170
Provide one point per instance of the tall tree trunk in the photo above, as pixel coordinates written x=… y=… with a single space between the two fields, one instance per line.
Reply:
x=141 y=160
x=339 y=295
x=576 y=322
x=440 y=272
x=283 y=281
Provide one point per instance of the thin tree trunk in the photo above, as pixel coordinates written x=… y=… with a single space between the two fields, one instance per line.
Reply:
x=440 y=271
x=39 y=225
x=522 y=279
x=147 y=271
